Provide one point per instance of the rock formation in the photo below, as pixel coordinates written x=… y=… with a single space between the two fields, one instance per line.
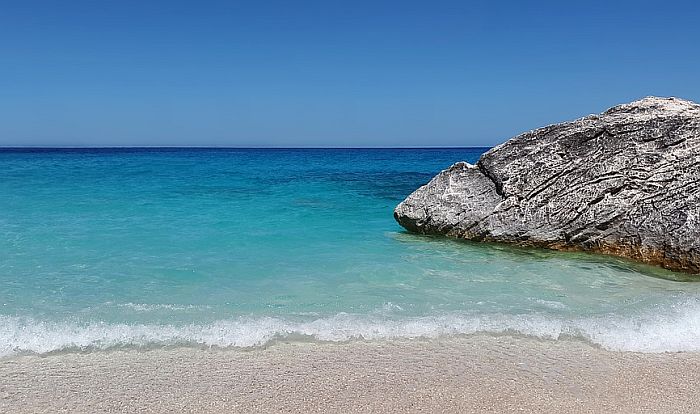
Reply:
x=625 y=182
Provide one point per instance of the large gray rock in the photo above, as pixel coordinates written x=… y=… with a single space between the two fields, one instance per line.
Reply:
x=625 y=182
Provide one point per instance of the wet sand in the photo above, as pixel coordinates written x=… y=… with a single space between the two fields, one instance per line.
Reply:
x=460 y=375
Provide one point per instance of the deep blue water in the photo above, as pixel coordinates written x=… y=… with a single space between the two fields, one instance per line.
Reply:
x=240 y=247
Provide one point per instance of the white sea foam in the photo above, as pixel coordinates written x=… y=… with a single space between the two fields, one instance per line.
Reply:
x=143 y=307
x=677 y=329
x=552 y=304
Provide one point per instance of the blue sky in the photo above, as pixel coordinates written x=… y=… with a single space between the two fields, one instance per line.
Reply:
x=330 y=73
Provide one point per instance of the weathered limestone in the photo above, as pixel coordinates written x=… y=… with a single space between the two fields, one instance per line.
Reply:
x=625 y=182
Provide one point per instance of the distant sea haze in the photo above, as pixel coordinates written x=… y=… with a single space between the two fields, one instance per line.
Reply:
x=241 y=247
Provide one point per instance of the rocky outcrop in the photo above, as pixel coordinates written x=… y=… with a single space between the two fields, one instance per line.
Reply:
x=625 y=182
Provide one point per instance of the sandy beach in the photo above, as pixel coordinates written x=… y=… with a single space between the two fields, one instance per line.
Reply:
x=468 y=374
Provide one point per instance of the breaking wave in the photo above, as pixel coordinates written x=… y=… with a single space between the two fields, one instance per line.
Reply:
x=675 y=329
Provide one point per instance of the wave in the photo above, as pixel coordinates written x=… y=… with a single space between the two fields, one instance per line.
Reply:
x=143 y=307
x=661 y=330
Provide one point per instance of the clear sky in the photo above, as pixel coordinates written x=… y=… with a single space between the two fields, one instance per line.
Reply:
x=330 y=73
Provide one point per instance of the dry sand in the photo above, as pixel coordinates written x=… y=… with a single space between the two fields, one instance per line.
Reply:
x=461 y=375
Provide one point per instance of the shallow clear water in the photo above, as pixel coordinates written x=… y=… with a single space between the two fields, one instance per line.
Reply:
x=103 y=248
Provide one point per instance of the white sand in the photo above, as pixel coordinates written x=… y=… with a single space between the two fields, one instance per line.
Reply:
x=470 y=374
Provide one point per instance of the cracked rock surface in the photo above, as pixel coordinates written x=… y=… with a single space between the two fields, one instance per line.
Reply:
x=625 y=182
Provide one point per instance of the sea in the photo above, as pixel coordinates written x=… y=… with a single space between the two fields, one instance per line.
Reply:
x=212 y=247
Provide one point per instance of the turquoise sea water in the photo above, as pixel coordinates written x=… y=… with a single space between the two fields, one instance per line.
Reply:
x=221 y=247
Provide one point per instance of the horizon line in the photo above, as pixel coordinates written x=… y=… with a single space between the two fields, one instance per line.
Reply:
x=221 y=147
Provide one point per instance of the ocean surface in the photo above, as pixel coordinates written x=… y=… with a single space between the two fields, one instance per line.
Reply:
x=109 y=248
